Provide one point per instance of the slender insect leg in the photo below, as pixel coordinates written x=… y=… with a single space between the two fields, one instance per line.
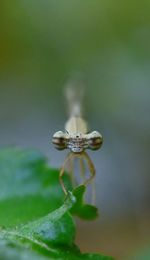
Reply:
x=82 y=168
x=93 y=200
x=70 y=170
x=91 y=168
x=69 y=157
x=91 y=178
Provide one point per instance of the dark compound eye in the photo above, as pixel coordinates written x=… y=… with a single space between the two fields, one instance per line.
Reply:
x=95 y=140
x=59 y=140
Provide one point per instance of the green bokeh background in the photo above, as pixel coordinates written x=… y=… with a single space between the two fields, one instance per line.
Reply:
x=42 y=43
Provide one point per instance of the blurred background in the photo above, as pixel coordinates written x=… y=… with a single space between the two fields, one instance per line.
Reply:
x=41 y=44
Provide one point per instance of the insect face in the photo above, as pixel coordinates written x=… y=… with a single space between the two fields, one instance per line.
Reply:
x=94 y=140
x=59 y=140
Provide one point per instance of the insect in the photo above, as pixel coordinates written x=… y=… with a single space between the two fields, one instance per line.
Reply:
x=76 y=137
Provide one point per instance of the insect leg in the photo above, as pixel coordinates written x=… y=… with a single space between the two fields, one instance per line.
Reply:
x=91 y=178
x=82 y=168
x=69 y=157
x=70 y=170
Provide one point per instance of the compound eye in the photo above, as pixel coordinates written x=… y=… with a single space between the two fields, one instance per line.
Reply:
x=95 y=140
x=59 y=140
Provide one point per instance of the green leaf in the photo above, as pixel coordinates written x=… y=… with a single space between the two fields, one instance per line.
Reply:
x=81 y=209
x=28 y=187
x=55 y=228
x=35 y=222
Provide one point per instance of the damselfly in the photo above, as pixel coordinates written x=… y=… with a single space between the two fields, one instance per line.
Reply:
x=76 y=137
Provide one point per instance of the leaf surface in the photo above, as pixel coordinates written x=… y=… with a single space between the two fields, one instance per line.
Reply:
x=35 y=220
